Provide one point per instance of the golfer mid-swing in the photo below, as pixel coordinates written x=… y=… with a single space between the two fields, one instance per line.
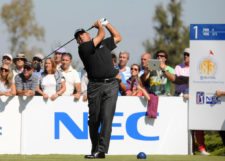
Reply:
x=103 y=86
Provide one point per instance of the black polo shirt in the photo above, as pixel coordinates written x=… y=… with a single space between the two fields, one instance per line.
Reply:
x=98 y=60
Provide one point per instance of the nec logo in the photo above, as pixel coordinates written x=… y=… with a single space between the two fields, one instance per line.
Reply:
x=212 y=100
x=131 y=126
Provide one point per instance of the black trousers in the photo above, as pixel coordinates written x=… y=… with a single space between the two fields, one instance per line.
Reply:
x=102 y=99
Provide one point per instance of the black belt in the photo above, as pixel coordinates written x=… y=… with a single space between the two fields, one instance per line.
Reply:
x=106 y=80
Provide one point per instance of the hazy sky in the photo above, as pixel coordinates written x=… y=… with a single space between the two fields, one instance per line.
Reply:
x=132 y=18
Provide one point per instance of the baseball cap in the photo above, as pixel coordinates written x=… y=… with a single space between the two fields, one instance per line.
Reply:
x=80 y=30
x=39 y=55
x=8 y=55
x=187 y=50
x=60 y=50
x=28 y=65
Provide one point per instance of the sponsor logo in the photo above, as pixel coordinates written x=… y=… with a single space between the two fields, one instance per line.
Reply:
x=212 y=100
x=63 y=120
x=200 y=98
x=207 y=67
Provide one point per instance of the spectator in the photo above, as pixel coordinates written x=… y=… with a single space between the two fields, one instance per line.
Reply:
x=73 y=84
x=19 y=62
x=123 y=60
x=52 y=82
x=26 y=82
x=134 y=85
x=37 y=62
x=7 y=59
x=58 y=57
x=121 y=78
x=183 y=70
x=144 y=62
x=154 y=80
x=7 y=87
x=165 y=83
x=145 y=72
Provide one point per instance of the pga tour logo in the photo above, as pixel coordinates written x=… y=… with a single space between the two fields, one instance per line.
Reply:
x=201 y=98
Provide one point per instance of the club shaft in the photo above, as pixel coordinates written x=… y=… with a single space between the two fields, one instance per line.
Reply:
x=59 y=48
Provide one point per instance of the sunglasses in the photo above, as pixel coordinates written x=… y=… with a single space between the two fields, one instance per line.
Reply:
x=162 y=56
x=17 y=59
x=4 y=69
x=186 y=54
x=135 y=69
x=37 y=59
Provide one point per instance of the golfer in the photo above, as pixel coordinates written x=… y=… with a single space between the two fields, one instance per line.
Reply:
x=103 y=85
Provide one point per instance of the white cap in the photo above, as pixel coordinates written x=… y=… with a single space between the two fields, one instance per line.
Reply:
x=61 y=50
x=8 y=55
x=187 y=50
x=39 y=55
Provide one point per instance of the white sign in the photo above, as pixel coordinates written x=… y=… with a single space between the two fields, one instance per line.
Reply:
x=10 y=125
x=60 y=127
x=207 y=64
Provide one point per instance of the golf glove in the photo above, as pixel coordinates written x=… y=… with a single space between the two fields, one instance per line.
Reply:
x=104 y=21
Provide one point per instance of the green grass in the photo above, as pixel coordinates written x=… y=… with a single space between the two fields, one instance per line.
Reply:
x=110 y=158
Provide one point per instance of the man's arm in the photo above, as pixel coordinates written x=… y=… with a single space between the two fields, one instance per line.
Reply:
x=115 y=34
x=100 y=35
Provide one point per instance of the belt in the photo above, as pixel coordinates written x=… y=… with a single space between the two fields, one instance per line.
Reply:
x=106 y=80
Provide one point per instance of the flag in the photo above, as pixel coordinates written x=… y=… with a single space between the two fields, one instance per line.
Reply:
x=211 y=52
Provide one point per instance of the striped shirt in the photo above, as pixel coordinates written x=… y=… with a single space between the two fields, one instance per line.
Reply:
x=26 y=84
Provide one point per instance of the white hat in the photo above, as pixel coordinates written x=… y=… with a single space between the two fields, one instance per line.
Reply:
x=8 y=55
x=61 y=50
x=187 y=50
x=39 y=55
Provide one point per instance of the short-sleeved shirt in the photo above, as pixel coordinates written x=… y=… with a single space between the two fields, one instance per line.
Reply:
x=98 y=60
x=26 y=84
x=72 y=77
x=157 y=83
x=182 y=70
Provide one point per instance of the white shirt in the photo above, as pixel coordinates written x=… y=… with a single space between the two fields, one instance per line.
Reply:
x=127 y=73
x=49 y=84
x=72 y=77
x=3 y=87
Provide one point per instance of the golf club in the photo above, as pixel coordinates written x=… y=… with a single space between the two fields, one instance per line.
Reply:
x=64 y=44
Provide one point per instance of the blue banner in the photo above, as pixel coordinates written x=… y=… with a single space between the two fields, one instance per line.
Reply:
x=207 y=32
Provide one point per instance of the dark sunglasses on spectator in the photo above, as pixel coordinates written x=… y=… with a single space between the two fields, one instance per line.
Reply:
x=162 y=56
x=186 y=54
x=6 y=57
x=4 y=69
x=136 y=69
x=37 y=59
x=17 y=59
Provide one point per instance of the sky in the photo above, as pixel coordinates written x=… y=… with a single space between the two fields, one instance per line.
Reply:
x=132 y=18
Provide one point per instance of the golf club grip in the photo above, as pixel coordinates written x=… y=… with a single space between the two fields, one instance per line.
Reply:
x=90 y=28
